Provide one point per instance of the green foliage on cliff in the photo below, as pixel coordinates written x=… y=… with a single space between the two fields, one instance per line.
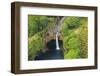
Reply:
x=73 y=29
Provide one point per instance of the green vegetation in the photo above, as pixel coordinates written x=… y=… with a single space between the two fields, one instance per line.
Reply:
x=73 y=29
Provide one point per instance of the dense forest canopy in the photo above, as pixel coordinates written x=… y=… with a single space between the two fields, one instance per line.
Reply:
x=74 y=33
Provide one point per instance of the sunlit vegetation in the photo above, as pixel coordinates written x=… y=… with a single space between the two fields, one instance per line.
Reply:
x=74 y=32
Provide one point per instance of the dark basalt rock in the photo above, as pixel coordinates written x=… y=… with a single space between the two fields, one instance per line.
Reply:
x=51 y=53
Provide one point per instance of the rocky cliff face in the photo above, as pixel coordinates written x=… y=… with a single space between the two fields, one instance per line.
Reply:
x=51 y=52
